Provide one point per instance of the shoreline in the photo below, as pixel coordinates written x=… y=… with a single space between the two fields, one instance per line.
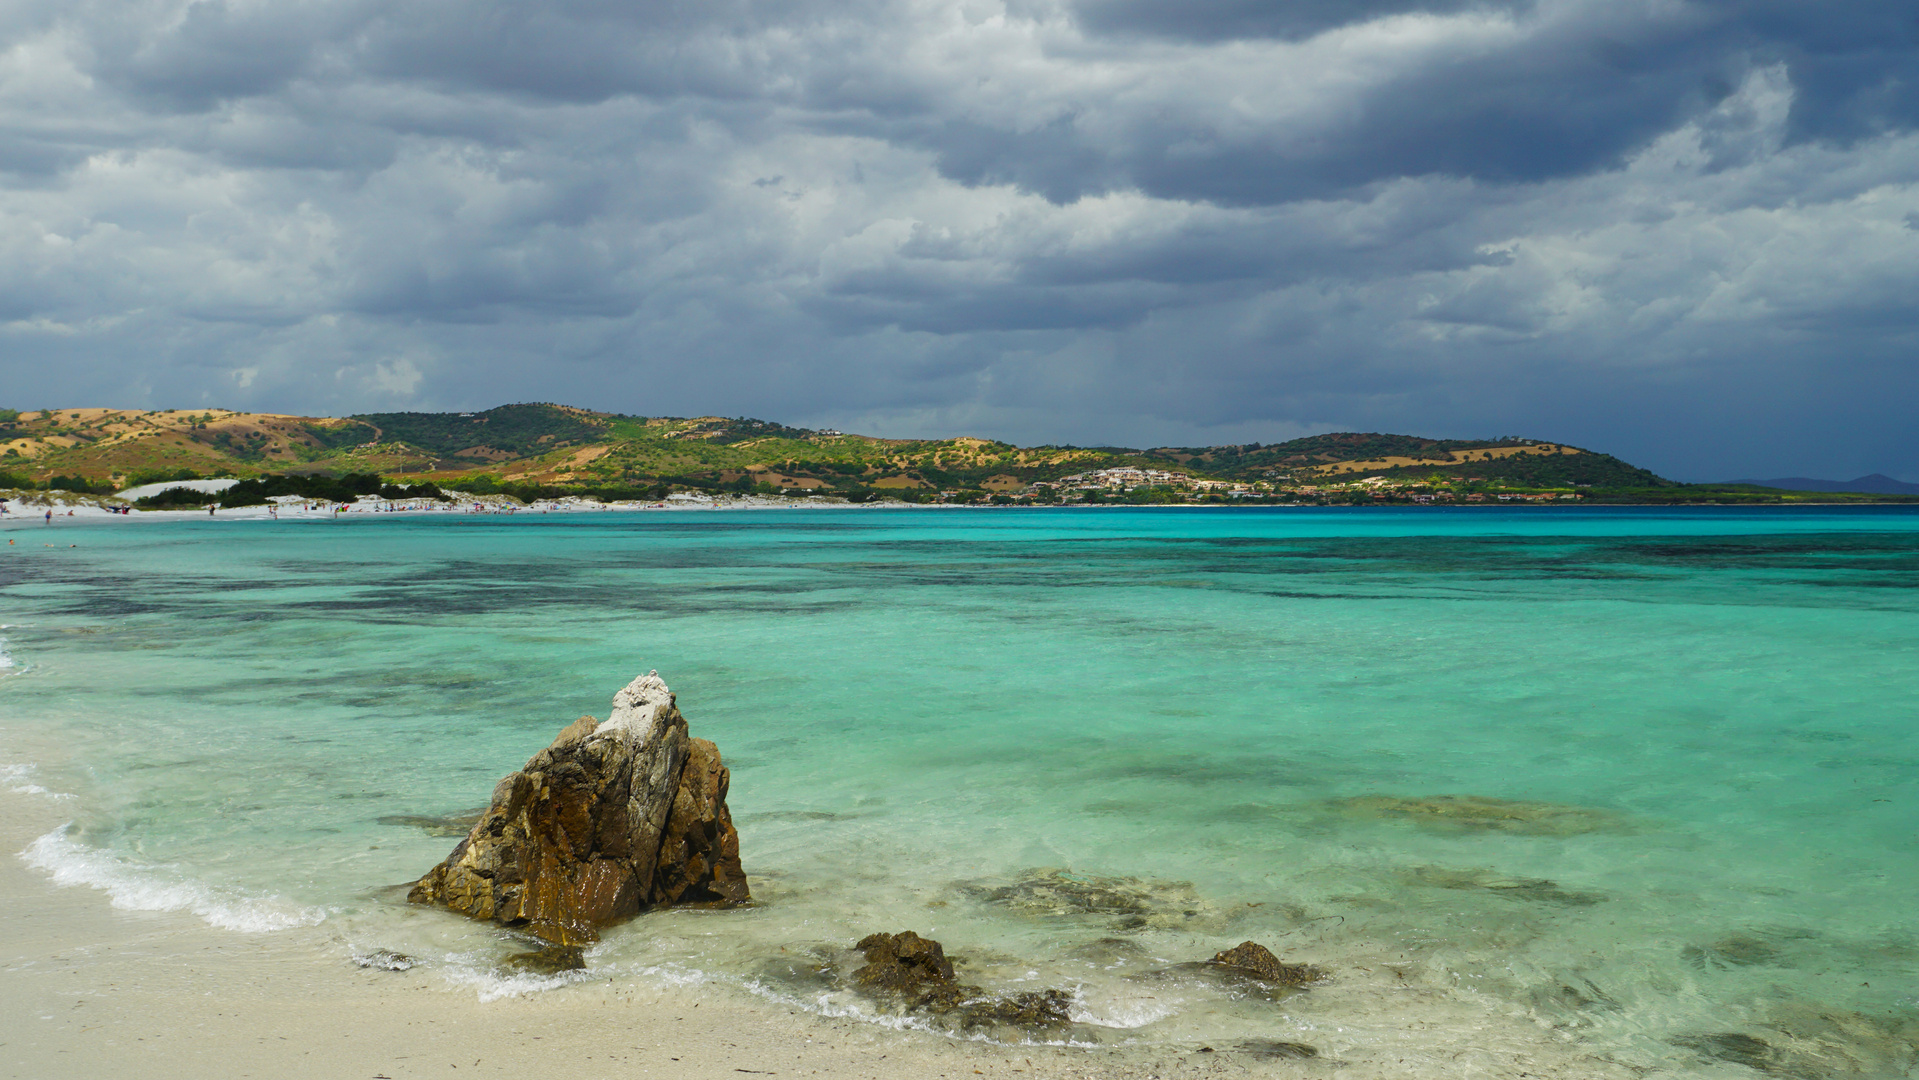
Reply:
x=99 y=991
x=90 y=510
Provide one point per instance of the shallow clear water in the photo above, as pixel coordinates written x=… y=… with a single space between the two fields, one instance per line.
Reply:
x=921 y=708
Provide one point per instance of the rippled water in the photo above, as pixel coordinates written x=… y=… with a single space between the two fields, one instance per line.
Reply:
x=1644 y=780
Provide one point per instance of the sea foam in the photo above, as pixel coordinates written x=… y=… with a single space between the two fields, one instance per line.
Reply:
x=482 y=974
x=139 y=888
x=15 y=778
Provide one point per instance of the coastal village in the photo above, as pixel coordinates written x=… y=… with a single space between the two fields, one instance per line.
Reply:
x=1100 y=483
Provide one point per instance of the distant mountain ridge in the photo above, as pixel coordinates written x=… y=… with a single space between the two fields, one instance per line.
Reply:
x=545 y=444
x=1875 y=484
x=544 y=447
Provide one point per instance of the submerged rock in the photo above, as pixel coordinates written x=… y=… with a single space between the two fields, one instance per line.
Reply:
x=1274 y=1049
x=1573 y=997
x=437 y=824
x=913 y=974
x=1131 y=903
x=386 y=960
x=1735 y=1047
x=1461 y=813
x=1257 y=960
x=1823 y=1041
x=1815 y=1042
x=809 y=968
x=1108 y=952
x=1539 y=890
x=1738 y=950
x=1245 y=970
x=611 y=819
x=549 y=959
x=1031 y=1009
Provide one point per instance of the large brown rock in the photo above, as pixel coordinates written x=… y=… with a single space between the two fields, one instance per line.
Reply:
x=610 y=820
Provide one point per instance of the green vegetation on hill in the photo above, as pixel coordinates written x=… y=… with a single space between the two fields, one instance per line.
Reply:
x=545 y=450
x=510 y=431
x=257 y=490
x=350 y=433
x=1300 y=458
x=1326 y=449
x=1547 y=471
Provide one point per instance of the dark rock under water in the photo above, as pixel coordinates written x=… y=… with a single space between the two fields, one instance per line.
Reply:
x=1248 y=970
x=1258 y=961
x=1539 y=890
x=437 y=824
x=1274 y=1049
x=1124 y=903
x=1734 y=1047
x=1736 y=950
x=1483 y=813
x=549 y=959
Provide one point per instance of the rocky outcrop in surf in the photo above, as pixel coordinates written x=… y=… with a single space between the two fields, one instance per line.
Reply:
x=1252 y=958
x=912 y=974
x=612 y=819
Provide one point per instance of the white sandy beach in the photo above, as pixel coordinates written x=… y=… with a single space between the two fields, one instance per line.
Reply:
x=93 y=991
x=24 y=509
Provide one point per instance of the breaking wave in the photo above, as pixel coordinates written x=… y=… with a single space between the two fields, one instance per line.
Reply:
x=141 y=888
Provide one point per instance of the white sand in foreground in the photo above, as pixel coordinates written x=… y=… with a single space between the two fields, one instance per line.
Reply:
x=89 y=991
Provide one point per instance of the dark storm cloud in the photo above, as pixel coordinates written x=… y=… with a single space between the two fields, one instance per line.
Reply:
x=1578 y=93
x=1048 y=220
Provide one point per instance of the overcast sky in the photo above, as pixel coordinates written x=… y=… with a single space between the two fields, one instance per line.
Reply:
x=1683 y=232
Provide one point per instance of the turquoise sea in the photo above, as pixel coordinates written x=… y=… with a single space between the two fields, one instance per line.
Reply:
x=1079 y=747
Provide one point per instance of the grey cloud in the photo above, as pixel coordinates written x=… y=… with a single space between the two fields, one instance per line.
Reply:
x=1642 y=227
x=210 y=51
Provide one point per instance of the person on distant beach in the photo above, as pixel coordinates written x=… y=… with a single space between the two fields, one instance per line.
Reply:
x=49 y=515
x=209 y=511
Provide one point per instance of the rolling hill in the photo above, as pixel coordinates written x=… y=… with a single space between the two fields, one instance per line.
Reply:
x=566 y=447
